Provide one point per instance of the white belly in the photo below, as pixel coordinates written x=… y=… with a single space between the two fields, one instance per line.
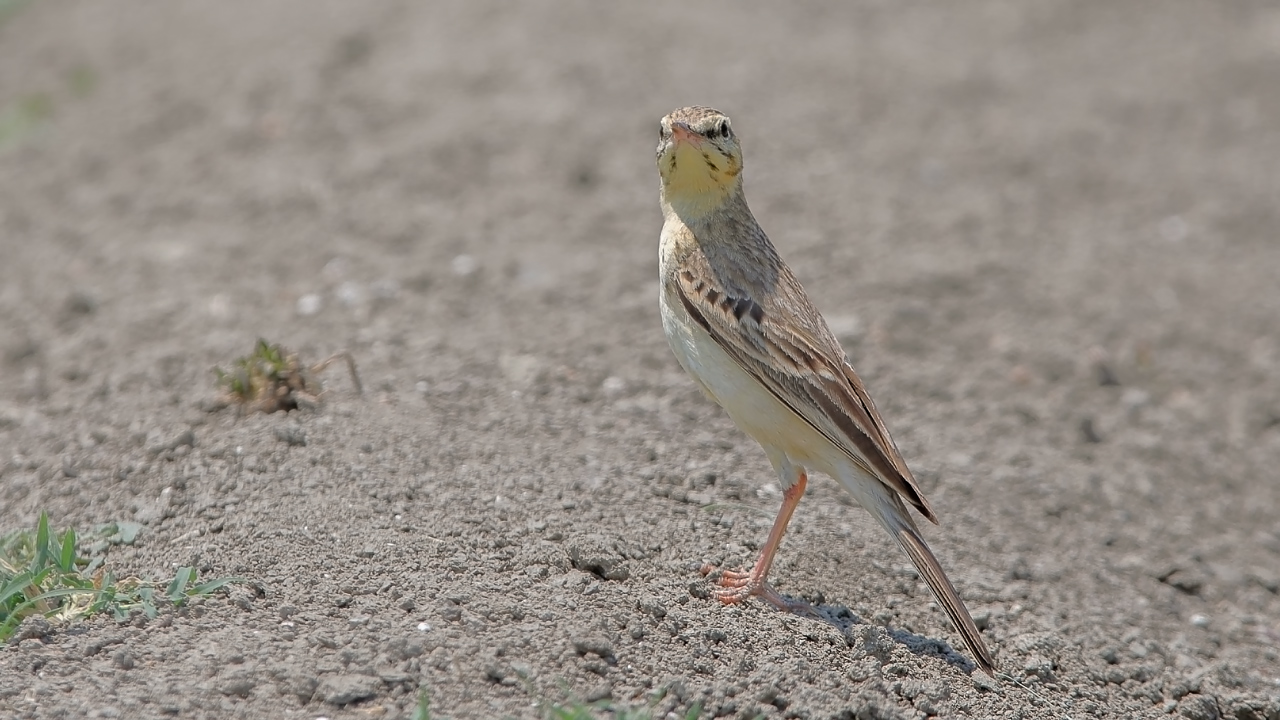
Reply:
x=749 y=404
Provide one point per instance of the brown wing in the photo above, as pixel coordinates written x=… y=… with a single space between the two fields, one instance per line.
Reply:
x=805 y=373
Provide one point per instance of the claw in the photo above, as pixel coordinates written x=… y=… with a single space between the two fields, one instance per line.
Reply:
x=736 y=586
x=734 y=591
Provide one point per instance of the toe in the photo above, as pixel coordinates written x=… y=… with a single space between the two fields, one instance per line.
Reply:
x=731 y=596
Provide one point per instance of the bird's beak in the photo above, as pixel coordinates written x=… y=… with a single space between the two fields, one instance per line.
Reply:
x=681 y=132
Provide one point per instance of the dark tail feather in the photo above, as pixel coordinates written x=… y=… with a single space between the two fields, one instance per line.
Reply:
x=929 y=569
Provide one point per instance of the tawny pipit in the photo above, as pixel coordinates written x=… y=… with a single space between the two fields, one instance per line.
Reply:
x=741 y=325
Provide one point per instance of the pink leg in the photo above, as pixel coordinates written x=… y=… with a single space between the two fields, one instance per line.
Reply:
x=736 y=586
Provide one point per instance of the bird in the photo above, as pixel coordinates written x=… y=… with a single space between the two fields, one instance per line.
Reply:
x=743 y=328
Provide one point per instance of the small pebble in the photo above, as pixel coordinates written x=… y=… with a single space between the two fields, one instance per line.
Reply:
x=219 y=306
x=1133 y=398
x=613 y=386
x=464 y=265
x=239 y=686
x=1199 y=707
x=292 y=435
x=350 y=294
x=594 y=645
x=33 y=627
x=346 y=689
x=309 y=304
x=123 y=660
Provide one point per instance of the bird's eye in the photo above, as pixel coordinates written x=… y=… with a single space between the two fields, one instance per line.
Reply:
x=724 y=128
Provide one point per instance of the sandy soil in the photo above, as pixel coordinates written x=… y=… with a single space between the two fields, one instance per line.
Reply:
x=1045 y=231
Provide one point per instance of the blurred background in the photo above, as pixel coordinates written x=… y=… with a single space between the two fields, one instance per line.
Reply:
x=1113 y=157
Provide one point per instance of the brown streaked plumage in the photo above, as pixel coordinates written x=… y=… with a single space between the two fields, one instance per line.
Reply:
x=741 y=325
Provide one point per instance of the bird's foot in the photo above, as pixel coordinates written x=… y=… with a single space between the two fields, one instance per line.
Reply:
x=736 y=586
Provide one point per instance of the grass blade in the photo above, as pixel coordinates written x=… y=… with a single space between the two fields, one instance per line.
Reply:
x=42 y=555
x=213 y=585
x=178 y=588
x=67 y=560
x=422 y=710
x=13 y=587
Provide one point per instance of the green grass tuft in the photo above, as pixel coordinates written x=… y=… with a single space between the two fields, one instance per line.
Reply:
x=43 y=574
x=272 y=378
x=266 y=366
x=422 y=711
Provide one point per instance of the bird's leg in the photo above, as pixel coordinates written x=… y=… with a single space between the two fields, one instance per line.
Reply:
x=736 y=586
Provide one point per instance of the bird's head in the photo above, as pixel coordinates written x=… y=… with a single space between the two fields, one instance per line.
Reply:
x=699 y=159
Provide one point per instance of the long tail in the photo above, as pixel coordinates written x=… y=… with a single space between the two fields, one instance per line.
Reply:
x=927 y=565
x=946 y=593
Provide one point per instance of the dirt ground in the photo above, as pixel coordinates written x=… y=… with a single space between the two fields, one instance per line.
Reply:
x=1045 y=231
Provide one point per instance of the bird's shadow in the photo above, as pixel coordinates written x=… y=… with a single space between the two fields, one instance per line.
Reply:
x=869 y=637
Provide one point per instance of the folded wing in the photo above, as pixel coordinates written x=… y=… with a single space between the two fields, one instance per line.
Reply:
x=805 y=372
